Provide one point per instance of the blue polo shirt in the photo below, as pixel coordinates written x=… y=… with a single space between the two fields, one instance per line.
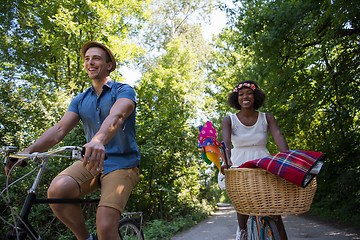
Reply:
x=122 y=150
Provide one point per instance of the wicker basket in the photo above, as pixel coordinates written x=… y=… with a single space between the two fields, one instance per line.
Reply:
x=254 y=191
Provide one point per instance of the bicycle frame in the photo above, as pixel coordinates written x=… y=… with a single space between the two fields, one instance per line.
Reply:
x=23 y=228
x=255 y=222
x=30 y=200
x=263 y=227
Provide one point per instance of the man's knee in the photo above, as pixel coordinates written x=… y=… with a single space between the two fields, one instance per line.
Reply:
x=63 y=186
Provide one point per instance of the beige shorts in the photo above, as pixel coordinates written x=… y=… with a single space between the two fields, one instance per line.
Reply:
x=115 y=186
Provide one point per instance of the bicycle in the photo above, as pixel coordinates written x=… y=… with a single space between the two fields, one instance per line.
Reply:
x=260 y=194
x=263 y=228
x=128 y=227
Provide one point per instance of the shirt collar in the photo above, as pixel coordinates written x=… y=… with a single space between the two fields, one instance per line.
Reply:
x=109 y=85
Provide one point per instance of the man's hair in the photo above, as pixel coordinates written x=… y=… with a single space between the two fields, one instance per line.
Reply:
x=109 y=55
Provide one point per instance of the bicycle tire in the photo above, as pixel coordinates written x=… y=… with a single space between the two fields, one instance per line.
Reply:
x=129 y=229
x=270 y=231
x=255 y=228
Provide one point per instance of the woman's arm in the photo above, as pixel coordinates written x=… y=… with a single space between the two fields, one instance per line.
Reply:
x=226 y=138
x=276 y=133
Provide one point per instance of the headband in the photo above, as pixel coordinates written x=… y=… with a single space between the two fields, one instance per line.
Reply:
x=249 y=85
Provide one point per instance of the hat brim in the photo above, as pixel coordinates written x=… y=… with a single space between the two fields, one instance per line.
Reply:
x=90 y=44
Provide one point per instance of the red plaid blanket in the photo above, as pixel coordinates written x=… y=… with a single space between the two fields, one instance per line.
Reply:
x=292 y=165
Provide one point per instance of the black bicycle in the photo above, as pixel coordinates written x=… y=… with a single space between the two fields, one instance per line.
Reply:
x=129 y=227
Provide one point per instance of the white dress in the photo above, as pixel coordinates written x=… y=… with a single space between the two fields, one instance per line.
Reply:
x=249 y=142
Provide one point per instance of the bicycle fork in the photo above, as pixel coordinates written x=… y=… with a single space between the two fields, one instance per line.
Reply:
x=23 y=228
x=257 y=229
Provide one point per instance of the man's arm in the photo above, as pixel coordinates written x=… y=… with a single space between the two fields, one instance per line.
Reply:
x=53 y=135
x=95 y=150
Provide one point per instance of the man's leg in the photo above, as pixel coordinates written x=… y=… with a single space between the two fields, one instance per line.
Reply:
x=107 y=220
x=116 y=188
x=74 y=182
x=71 y=215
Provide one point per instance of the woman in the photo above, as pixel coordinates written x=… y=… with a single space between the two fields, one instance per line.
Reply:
x=247 y=132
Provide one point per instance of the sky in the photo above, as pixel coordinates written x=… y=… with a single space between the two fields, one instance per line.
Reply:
x=217 y=22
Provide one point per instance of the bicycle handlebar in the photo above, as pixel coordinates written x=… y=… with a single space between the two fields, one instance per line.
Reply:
x=77 y=153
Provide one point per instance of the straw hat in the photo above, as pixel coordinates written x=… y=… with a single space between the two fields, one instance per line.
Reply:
x=90 y=44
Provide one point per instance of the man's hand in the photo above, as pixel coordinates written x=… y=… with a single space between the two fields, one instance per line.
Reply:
x=94 y=156
x=11 y=162
x=7 y=169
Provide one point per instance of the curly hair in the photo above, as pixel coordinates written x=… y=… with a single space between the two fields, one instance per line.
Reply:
x=259 y=96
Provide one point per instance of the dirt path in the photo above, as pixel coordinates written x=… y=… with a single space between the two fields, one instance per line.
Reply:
x=222 y=225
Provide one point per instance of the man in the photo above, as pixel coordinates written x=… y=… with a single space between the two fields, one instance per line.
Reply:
x=107 y=111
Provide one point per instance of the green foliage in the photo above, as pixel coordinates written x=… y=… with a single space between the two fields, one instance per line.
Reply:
x=162 y=229
x=304 y=54
x=173 y=183
x=171 y=178
x=170 y=19
x=41 y=70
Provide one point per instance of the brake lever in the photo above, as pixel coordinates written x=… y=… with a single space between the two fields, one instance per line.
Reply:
x=83 y=153
x=77 y=154
x=9 y=150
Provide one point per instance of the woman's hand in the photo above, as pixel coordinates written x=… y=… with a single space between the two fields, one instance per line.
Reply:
x=223 y=167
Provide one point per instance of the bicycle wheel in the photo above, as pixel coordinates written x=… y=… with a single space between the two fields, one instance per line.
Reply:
x=129 y=229
x=270 y=230
x=255 y=228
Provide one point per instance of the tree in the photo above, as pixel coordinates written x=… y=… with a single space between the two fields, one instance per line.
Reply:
x=305 y=55
x=41 y=70
x=173 y=18
x=40 y=60
x=169 y=93
x=165 y=136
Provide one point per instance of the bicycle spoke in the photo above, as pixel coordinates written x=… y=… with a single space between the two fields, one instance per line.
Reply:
x=271 y=231
x=129 y=229
x=255 y=228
